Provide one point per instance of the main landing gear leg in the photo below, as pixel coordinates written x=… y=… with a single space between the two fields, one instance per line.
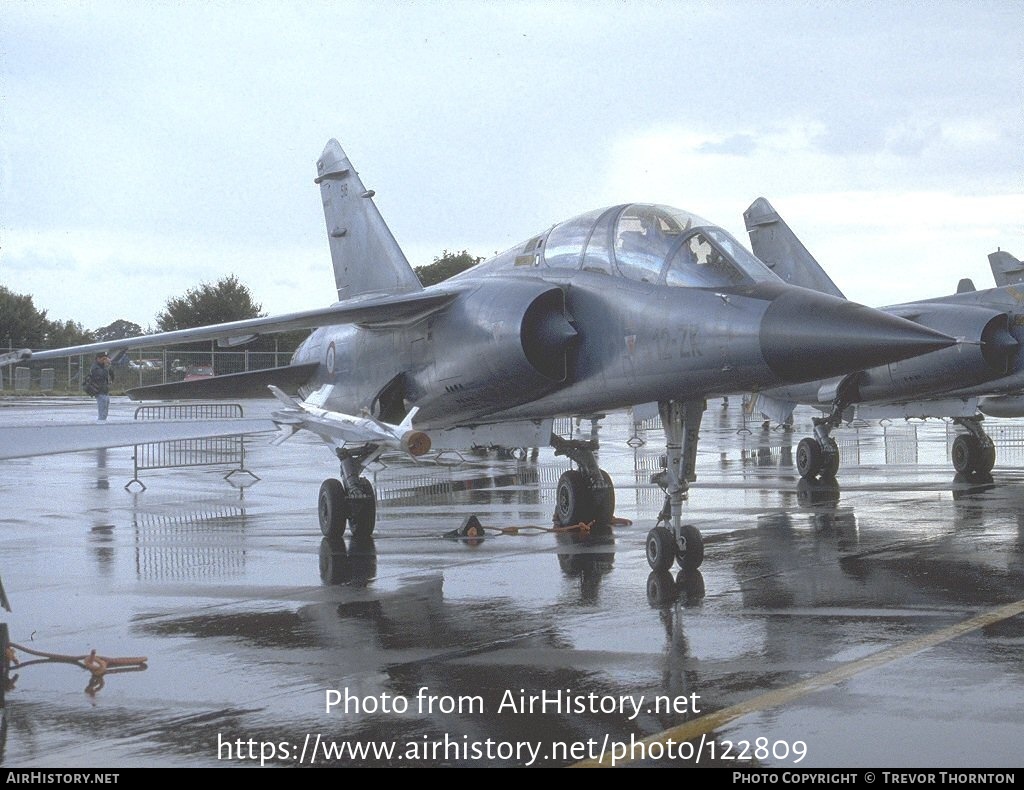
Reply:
x=585 y=494
x=818 y=456
x=677 y=541
x=351 y=500
x=973 y=452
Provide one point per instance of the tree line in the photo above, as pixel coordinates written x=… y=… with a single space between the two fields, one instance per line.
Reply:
x=23 y=325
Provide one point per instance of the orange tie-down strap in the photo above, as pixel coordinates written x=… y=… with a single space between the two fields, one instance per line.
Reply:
x=473 y=529
x=97 y=665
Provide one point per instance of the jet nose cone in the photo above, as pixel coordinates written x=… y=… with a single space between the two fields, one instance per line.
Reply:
x=807 y=335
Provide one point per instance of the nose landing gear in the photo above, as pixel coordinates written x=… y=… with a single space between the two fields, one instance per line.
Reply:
x=676 y=541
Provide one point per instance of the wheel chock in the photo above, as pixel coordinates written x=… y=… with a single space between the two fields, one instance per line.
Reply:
x=471 y=529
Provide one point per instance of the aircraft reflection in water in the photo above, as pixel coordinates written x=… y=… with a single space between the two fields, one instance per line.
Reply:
x=396 y=644
x=831 y=563
x=984 y=375
x=354 y=563
x=629 y=304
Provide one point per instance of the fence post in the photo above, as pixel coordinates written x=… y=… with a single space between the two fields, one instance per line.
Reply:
x=4 y=642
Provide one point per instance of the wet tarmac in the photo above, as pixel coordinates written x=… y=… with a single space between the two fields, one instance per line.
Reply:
x=877 y=622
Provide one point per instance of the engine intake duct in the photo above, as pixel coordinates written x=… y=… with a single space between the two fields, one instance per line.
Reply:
x=998 y=346
x=514 y=344
x=547 y=335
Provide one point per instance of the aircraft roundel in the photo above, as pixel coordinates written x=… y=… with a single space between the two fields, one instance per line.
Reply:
x=330 y=359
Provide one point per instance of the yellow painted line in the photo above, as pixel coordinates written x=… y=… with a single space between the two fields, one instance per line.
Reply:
x=773 y=699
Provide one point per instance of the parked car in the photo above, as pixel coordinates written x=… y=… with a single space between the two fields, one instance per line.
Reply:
x=145 y=364
x=193 y=372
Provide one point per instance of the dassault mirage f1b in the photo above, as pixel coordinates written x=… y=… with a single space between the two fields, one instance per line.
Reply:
x=629 y=304
x=982 y=375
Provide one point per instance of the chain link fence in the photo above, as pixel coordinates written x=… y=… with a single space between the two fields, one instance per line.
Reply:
x=138 y=369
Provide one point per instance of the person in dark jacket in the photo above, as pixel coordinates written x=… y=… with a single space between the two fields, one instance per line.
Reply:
x=97 y=384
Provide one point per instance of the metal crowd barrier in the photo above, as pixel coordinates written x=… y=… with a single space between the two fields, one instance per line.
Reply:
x=183 y=453
x=900 y=444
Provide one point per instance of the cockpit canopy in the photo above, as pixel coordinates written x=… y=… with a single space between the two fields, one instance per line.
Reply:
x=643 y=242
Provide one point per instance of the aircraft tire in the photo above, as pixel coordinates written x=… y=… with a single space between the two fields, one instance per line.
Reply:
x=331 y=507
x=809 y=458
x=362 y=508
x=661 y=549
x=605 y=501
x=830 y=460
x=574 y=499
x=966 y=453
x=693 y=555
x=988 y=460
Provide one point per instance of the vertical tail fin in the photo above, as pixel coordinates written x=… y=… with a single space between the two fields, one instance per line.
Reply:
x=781 y=251
x=365 y=255
x=1006 y=269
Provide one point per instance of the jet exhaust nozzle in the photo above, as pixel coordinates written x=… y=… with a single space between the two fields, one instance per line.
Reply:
x=416 y=443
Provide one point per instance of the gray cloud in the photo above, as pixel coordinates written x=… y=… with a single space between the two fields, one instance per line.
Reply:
x=737 y=145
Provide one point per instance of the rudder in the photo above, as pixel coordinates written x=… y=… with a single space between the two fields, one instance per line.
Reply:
x=780 y=250
x=1006 y=270
x=365 y=255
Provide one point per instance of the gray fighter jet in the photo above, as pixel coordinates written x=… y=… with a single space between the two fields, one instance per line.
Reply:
x=982 y=375
x=622 y=305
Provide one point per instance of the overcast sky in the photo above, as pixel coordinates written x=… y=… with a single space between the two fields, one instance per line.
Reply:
x=148 y=147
